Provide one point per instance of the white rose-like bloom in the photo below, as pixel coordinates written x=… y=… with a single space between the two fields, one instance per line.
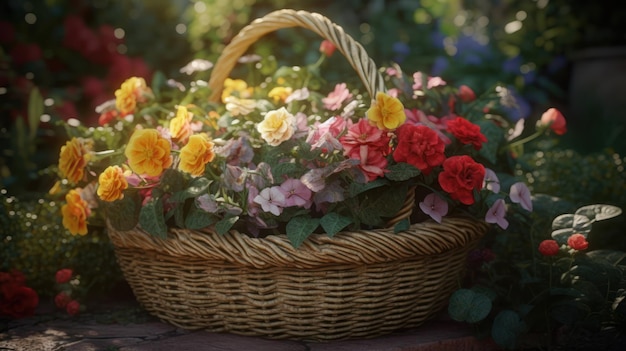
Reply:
x=277 y=126
x=238 y=106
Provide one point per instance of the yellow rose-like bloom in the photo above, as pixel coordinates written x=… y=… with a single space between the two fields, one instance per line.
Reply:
x=238 y=106
x=148 y=152
x=73 y=159
x=111 y=184
x=75 y=213
x=277 y=126
x=235 y=86
x=386 y=112
x=180 y=126
x=196 y=154
x=280 y=93
x=127 y=96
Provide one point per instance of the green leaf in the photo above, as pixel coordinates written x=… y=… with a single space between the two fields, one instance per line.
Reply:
x=283 y=169
x=198 y=219
x=614 y=257
x=333 y=223
x=381 y=202
x=494 y=135
x=402 y=171
x=35 y=110
x=401 y=226
x=197 y=187
x=506 y=328
x=469 y=306
x=299 y=228
x=172 y=181
x=151 y=219
x=357 y=188
x=223 y=226
x=599 y=212
x=158 y=80
x=122 y=214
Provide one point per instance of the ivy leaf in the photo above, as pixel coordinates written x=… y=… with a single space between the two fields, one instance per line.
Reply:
x=299 y=228
x=151 y=219
x=469 y=306
x=357 y=188
x=494 y=135
x=402 y=171
x=506 y=328
x=401 y=226
x=122 y=214
x=172 y=181
x=198 y=219
x=197 y=187
x=383 y=202
x=333 y=223
x=223 y=226
x=565 y=225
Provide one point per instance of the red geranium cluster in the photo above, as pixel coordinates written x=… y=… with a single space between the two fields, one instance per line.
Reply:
x=65 y=299
x=16 y=299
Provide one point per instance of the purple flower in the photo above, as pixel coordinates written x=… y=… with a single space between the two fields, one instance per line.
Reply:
x=271 y=200
x=434 y=206
x=491 y=181
x=520 y=194
x=296 y=193
x=207 y=203
x=496 y=214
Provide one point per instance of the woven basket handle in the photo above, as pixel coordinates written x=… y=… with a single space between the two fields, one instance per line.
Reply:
x=353 y=51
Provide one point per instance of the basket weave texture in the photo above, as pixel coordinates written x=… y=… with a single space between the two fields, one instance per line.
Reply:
x=356 y=284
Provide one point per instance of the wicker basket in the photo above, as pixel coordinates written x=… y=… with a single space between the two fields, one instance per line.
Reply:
x=356 y=284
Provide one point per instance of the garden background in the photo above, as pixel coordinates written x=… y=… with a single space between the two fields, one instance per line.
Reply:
x=60 y=59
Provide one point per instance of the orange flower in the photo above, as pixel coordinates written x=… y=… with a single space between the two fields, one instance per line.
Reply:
x=386 y=112
x=554 y=118
x=111 y=184
x=73 y=159
x=148 y=152
x=129 y=94
x=196 y=154
x=180 y=126
x=75 y=213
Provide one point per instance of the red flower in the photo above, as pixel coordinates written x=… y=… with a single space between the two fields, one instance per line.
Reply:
x=327 y=48
x=24 y=53
x=577 y=242
x=419 y=146
x=18 y=301
x=107 y=117
x=466 y=94
x=466 y=132
x=460 y=177
x=549 y=247
x=554 y=118
x=63 y=275
x=62 y=299
x=72 y=308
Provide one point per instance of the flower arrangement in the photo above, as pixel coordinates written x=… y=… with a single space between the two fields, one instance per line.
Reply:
x=291 y=154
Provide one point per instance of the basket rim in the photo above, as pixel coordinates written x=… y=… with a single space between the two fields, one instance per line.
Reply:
x=349 y=247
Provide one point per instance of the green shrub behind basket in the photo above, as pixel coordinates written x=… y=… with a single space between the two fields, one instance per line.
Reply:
x=34 y=241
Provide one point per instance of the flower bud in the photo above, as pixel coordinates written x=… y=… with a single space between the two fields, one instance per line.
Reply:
x=327 y=48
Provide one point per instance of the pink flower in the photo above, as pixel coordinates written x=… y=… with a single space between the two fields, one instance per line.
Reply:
x=520 y=194
x=466 y=94
x=491 y=181
x=434 y=206
x=549 y=247
x=431 y=82
x=271 y=200
x=496 y=214
x=334 y=100
x=327 y=48
x=554 y=118
x=296 y=193
x=324 y=135
x=437 y=124
x=364 y=134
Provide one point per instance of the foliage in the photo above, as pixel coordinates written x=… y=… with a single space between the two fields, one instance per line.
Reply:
x=35 y=242
x=533 y=289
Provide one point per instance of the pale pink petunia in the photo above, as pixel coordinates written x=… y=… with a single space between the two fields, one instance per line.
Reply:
x=337 y=97
x=296 y=193
x=520 y=194
x=434 y=206
x=491 y=181
x=271 y=200
x=496 y=214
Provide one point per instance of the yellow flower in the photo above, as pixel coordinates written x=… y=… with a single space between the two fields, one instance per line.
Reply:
x=196 y=154
x=280 y=93
x=111 y=184
x=236 y=87
x=238 y=106
x=131 y=92
x=148 y=152
x=180 y=126
x=277 y=126
x=73 y=159
x=386 y=112
x=75 y=213
x=212 y=119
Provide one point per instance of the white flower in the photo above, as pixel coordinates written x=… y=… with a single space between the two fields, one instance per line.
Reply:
x=277 y=126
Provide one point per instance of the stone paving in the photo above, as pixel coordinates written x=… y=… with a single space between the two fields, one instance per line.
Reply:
x=127 y=327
